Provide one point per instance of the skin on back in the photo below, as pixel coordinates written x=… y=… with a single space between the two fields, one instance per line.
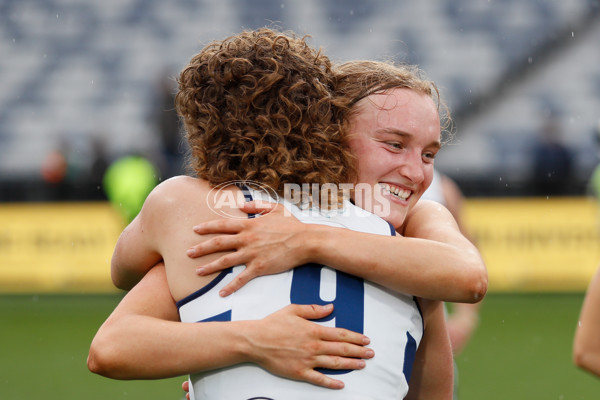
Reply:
x=163 y=231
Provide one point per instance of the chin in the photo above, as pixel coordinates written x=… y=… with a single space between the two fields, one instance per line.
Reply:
x=394 y=219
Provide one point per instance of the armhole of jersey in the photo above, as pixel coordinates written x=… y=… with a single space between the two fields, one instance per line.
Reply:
x=248 y=196
x=204 y=289
x=392 y=230
x=416 y=300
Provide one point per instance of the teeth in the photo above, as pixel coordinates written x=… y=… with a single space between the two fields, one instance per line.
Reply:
x=396 y=191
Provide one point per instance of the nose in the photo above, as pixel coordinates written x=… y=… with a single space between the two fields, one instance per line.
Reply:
x=412 y=167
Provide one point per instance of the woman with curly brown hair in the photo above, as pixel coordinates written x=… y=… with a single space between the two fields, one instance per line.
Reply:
x=357 y=84
x=298 y=126
x=257 y=107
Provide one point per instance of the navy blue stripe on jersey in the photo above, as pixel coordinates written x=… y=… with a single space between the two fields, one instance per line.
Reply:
x=392 y=229
x=223 y=317
x=420 y=312
x=205 y=289
x=247 y=196
x=409 y=356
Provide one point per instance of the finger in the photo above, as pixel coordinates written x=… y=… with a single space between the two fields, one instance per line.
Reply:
x=186 y=388
x=225 y=225
x=226 y=261
x=214 y=245
x=311 y=311
x=258 y=207
x=343 y=335
x=320 y=379
x=240 y=280
x=344 y=350
x=335 y=362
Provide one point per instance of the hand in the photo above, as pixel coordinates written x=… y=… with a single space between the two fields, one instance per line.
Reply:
x=186 y=388
x=267 y=245
x=289 y=345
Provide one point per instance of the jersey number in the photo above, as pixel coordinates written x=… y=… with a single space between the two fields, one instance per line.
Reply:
x=348 y=304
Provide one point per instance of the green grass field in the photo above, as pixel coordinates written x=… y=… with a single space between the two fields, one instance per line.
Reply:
x=522 y=350
x=44 y=341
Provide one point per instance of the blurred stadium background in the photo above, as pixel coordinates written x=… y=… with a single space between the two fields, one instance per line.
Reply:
x=87 y=82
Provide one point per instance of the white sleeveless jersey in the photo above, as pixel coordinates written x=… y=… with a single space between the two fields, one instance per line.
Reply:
x=435 y=191
x=392 y=321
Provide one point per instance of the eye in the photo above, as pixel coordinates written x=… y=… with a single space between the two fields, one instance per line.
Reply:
x=429 y=156
x=395 y=145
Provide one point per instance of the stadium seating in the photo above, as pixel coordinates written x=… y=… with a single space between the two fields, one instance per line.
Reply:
x=77 y=70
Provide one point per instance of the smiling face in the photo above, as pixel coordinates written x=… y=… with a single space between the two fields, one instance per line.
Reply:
x=395 y=136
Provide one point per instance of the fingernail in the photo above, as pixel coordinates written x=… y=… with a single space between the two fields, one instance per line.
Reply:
x=223 y=293
x=362 y=364
x=200 y=271
x=369 y=353
x=366 y=340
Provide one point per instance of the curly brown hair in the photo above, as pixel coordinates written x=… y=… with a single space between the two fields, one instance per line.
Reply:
x=355 y=80
x=257 y=106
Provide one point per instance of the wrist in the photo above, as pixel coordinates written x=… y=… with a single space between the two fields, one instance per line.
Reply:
x=313 y=242
x=245 y=342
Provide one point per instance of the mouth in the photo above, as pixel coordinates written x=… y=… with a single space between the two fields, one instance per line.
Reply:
x=396 y=191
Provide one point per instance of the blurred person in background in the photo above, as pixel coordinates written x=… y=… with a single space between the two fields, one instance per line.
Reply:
x=593 y=187
x=131 y=304
x=552 y=160
x=463 y=318
x=74 y=169
x=586 y=346
x=54 y=172
x=173 y=147
x=99 y=165
x=127 y=182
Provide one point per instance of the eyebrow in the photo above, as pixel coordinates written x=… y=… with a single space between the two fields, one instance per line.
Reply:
x=437 y=144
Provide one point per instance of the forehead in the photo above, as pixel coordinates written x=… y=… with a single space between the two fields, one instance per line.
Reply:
x=401 y=109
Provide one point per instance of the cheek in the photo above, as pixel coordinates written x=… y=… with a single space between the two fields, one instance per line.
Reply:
x=428 y=174
x=365 y=165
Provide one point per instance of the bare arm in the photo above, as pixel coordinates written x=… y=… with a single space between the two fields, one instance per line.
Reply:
x=135 y=252
x=142 y=339
x=432 y=254
x=462 y=323
x=464 y=318
x=161 y=230
x=586 y=348
x=432 y=260
x=432 y=374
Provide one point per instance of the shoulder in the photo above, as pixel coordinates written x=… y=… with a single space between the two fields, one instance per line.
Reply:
x=425 y=207
x=185 y=195
x=172 y=196
x=176 y=189
x=182 y=182
x=426 y=215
